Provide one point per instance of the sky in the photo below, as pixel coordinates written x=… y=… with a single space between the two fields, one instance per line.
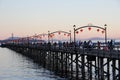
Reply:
x=29 y=17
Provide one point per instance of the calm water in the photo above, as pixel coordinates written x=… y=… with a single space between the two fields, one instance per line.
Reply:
x=14 y=66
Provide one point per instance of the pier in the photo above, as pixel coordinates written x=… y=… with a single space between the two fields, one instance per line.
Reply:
x=69 y=60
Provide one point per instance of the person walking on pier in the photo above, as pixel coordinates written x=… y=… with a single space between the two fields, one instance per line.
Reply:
x=90 y=45
x=111 y=44
x=98 y=45
x=85 y=44
x=60 y=44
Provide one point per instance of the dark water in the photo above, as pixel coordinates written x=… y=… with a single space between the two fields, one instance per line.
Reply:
x=14 y=66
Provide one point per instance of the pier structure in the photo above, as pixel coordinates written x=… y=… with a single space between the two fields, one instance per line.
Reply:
x=69 y=60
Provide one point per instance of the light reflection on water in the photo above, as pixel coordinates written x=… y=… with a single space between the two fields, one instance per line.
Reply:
x=14 y=66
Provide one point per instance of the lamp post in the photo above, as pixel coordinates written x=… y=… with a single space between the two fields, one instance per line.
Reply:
x=74 y=34
x=105 y=34
x=70 y=36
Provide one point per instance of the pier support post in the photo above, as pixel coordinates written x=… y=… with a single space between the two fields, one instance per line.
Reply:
x=101 y=69
x=108 y=68
x=53 y=57
x=44 y=55
x=113 y=69
x=95 y=69
x=62 y=72
x=66 y=65
x=118 y=69
x=98 y=65
x=90 y=64
x=77 y=70
x=83 y=66
x=50 y=60
x=56 y=62
x=71 y=65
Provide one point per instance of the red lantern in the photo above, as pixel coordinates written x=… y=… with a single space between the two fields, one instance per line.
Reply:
x=81 y=30
x=59 y=33
x=102 y=32
x=64 y=34
x=89 y=28
x=98 y=30
x=77 y=32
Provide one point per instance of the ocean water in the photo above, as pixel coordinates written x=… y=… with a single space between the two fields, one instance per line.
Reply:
x=14 y=66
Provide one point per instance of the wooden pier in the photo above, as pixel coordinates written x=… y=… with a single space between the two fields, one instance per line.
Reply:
x=74 y=63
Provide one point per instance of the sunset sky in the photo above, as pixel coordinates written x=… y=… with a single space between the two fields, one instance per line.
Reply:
x=29 y=17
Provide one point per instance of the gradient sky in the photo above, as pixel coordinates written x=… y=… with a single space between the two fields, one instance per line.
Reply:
x=29 y=17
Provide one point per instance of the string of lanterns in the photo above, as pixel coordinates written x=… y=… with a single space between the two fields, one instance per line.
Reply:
x=89 y=28
x=59 y=33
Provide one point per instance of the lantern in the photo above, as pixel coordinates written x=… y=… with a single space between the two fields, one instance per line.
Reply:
x=98 y=30
x=64 y=34
x=77 y=32
x=102 y=32
x=59 y=33
x=89 y=28
x=81 y=30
